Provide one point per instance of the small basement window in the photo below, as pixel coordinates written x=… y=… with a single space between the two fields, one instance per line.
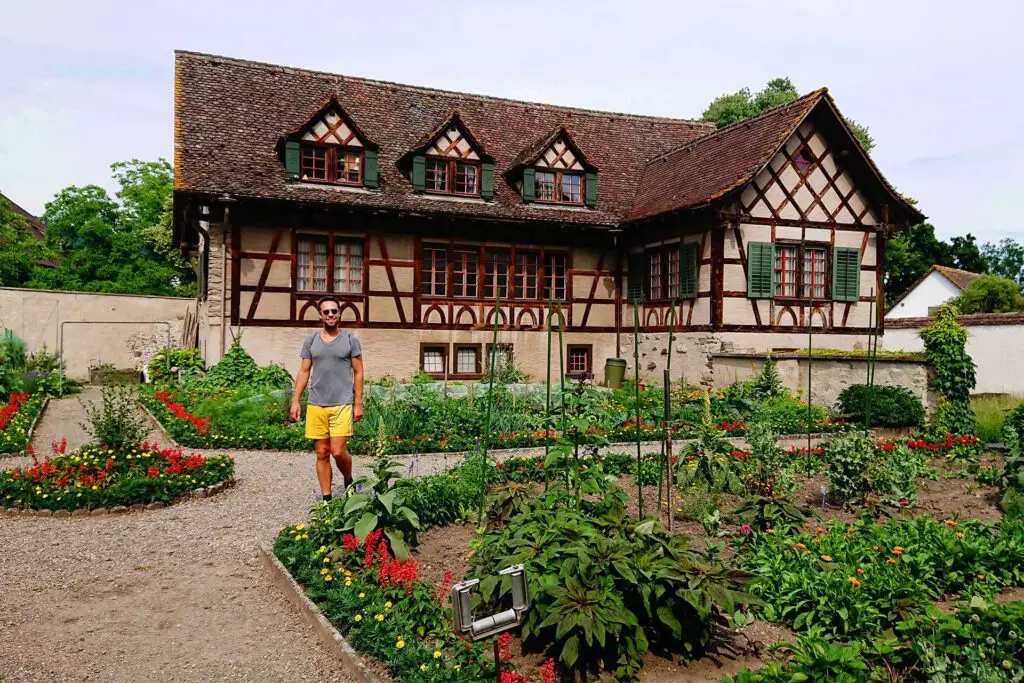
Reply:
x=580 y=360
x=434 y=359
x=467 y=359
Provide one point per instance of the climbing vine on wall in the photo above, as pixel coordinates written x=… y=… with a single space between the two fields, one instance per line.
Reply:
x=953 y=371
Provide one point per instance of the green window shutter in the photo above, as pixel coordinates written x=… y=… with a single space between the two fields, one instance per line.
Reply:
x=846 y=274
x=419 y=173
x=529 y=184
x=590 y=197
x=486 y=180
x=760 y=270
x=635 y=278
x=370 y=168
x=688 y=270
x=291 y=160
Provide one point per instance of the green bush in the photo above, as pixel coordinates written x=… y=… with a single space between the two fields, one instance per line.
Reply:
x=859 y=472
x=116 y=423
x=953 y=371
x=991 y=412
x=13 y=362
x=990 y=294
x=768 y=383
x=237 y=370
x=890 y=406
x=171 y=363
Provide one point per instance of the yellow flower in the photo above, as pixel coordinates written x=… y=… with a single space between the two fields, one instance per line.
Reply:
x=328 y=578
x=325 y=571
x=379 y=617
x=348 y=582
x=457 y=667
x=323 y=549
x=959 y=534
x=400 y=644
x=423 y=667
x=300 y=527
x=388 y=605
x=348 y=573
x=362 y=595
x=326 y=560
x=359 y=617
x=890 y=561
x=437 y=654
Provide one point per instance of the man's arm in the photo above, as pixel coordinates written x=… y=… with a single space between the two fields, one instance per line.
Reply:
x=357 y=388
x=300 y=385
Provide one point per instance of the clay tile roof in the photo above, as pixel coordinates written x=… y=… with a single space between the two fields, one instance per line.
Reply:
x=230 y=114
x=35 y=226
x=533 y=152
x=727 y=159
x=960 y=278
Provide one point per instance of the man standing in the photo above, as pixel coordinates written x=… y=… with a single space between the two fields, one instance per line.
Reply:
x=335 y=401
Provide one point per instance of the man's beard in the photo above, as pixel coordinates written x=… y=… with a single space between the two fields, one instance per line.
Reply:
x=331 y=327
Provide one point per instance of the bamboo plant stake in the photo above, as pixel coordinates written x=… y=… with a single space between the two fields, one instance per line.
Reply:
x=636 y=384
x=867 y=364
x=561 y=381
x=547 y=423
x=666 y=472
x=490 y=402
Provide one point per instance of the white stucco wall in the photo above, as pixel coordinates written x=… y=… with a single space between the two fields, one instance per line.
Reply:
x=934 y=290
x=997 y=352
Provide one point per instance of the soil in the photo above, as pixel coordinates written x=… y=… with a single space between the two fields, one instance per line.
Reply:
x=441 y=549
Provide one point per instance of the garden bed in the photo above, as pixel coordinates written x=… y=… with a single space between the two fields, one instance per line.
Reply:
x=95 y=478
x=18 y=417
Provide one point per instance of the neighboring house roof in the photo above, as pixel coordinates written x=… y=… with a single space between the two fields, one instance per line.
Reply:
x=724 y=161
x=959 y=278
x=231 y=113
x=36 y=227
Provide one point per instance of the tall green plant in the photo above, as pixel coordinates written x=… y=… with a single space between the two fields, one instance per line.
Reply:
x=705 y=461
x=953 y=371
x=117 y=422
x=768 y=383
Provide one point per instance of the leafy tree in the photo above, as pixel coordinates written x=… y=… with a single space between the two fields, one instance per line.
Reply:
x=731 y=108
x=967 y=254
x=19 y=249
x=912 y=252
x=1005 y=259
x=990 y=294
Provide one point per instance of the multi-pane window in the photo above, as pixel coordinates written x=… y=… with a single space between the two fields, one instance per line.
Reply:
x=449 y=176
x=467 y=360
x=654 y=274
x=579 y=360
x=464 y=272
x=433 y=270
x=311 y=265
x=331 y=164
x=348 y=267
x=558 y=187
x=504 y=357
x=526 y=274
x=433 y=359
x=785 y=270
x=496 y=273
x=554 y=276
x=672 y=274
x=814 y=273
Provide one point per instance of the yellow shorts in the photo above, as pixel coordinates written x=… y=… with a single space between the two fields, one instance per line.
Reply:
x=326 y=421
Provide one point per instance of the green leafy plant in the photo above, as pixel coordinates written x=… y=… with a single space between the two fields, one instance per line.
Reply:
x=990 y=294
x=891 y=406
x=170 y=364
x=705 y=460
x=765 y=458
x=953 y=371
x=859 y=471
x=768 y=383
x=507 y=501
x=768 y=512
x=237 y=369
x=117 y=422
x=13 y=362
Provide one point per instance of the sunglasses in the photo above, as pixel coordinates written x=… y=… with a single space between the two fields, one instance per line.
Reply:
x=329 y=311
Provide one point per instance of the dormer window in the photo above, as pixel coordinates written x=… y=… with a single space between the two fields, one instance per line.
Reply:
x=555 y=171
x=330 y=149
x=449 y=161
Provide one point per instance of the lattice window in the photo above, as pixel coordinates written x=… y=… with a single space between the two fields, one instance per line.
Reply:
x=814 y=272
x=348 y=267
x=572 y=189
x=437 y=175
x=311 y=265
x=314 y=163
x=505 y=358
x=545 y=186
x=496 y=273
x=672 y=273
x=464 y=272
x=349 y=167
x=467 y=178
x=785 y=271
x=579 y=360
x=433 y=359
x=654 y=283
x=554 y=276
x=467 y=360
x=526 y=274
x=433 y=270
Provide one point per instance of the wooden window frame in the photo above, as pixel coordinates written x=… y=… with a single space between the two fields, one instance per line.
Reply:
x=800 y=255
x=331 y=159
x=330 y=239
x=334 y=266
x=473 y=275
x=428 y=346
x=588 y=373
x=558 y=186
x=547 y=279
x=502 y=346
x=445 y=284
x=494 y=281
x=477 y=372
x=539 y=276
x=541 y=280
x=453 y=169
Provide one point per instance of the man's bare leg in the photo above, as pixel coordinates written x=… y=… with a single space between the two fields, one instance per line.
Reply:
x=323 y=465
x=342 y=458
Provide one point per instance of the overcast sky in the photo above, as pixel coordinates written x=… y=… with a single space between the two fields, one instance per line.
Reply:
x=85 y=84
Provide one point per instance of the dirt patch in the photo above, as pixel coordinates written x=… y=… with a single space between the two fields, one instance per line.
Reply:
x=441 y=549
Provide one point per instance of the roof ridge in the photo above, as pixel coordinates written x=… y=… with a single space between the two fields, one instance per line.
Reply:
x=418 y=88
x=955 y=270
x=814 y=94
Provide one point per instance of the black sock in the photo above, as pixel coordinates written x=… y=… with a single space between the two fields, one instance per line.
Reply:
x=348 y=483
x=327 y=496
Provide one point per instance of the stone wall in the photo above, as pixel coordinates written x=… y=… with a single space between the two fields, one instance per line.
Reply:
x=97 y=328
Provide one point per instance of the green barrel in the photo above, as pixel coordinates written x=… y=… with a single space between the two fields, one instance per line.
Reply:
x=614 y=372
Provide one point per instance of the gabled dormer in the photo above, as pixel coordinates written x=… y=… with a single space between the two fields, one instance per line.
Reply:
x=330 y=148
x=555 y=171
x=449 y=161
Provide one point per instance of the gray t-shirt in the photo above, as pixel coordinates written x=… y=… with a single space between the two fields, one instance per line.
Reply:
x=330 y=382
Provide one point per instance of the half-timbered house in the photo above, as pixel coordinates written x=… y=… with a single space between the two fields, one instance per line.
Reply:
x=430 y=213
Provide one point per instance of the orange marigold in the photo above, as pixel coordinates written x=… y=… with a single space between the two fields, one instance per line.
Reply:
x=826 y=558
x=898 y=550
x=854 y=581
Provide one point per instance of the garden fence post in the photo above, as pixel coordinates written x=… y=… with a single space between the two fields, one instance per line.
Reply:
x=636 y=384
